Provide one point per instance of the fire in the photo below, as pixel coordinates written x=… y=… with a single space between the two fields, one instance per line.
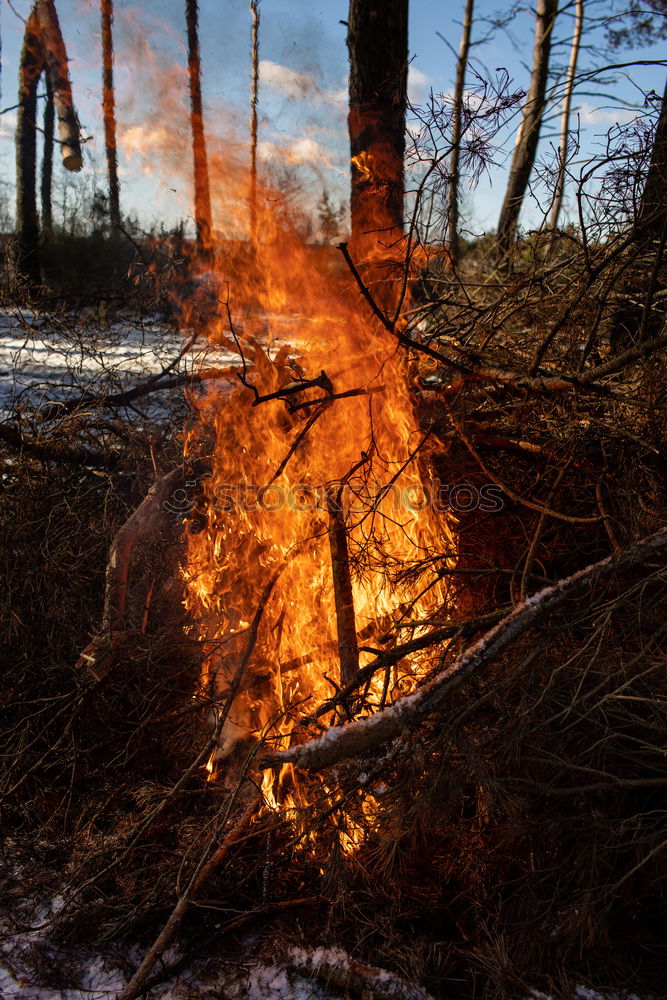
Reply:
x=319 y=474
x=365 y=164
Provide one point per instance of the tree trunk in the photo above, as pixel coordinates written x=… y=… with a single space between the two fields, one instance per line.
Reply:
x=529 y=130
x=57 y=69
x=47 y=159
x=641 y=309
x=457 y=114
x=202 y=188
x=565 y=117
x=653 y=207
x=109 y=110
x=378 y=48
x=27 y=227
x=254 y=97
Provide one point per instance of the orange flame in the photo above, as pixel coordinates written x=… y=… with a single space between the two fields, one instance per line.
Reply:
x=365 y=164
x=320 y=413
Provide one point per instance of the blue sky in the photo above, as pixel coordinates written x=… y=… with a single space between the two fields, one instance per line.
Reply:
x=302 y=94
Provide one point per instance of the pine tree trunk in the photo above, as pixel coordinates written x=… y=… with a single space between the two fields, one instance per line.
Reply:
x=27 y=226
x=529 y=130
x=642 y=306
x=378 y=48
x=109 y=110
x=457 y=115
x=653 y=207
x=47 y=160
x=565 y=117
x=202 y=188
x=254 y=98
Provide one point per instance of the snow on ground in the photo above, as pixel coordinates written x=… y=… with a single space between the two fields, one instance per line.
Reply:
x=44 y=358
x=585 y=993
x=32 y=968
x=103 y=977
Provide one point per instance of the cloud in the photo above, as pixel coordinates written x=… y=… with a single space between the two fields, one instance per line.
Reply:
x=288 y=82
x=148 y=142
x=298 y=86
x=417 y=84
x=604 y=116
x=302 y=151
x=8 y=125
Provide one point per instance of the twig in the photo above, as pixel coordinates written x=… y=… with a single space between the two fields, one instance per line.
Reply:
x=542 y=520
x=52 y=411
x=541 y=508
x=387 y=658
x=606 y=520
x=212 y=859
x=402 y=338
x=215 y=852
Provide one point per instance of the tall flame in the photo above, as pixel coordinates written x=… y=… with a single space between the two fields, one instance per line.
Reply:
x=317 y=432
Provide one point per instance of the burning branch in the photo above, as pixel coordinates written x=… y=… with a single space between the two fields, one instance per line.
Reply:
x=363 y=735
x=348 y=649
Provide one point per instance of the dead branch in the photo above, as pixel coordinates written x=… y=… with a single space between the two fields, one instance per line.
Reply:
x=55 y=451
x=156 y=383
x=617 y=364
x=220 y=844
x=213 y=857
x=388 y=657
x=391 y=327
x=342 y=742
x=532 y=550
x=512 y=494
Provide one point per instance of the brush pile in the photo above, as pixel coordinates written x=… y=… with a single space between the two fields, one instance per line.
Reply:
x=507 y=829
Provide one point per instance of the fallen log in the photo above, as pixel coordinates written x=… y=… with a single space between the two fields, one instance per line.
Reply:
x=335 y=967
x=363 y=735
